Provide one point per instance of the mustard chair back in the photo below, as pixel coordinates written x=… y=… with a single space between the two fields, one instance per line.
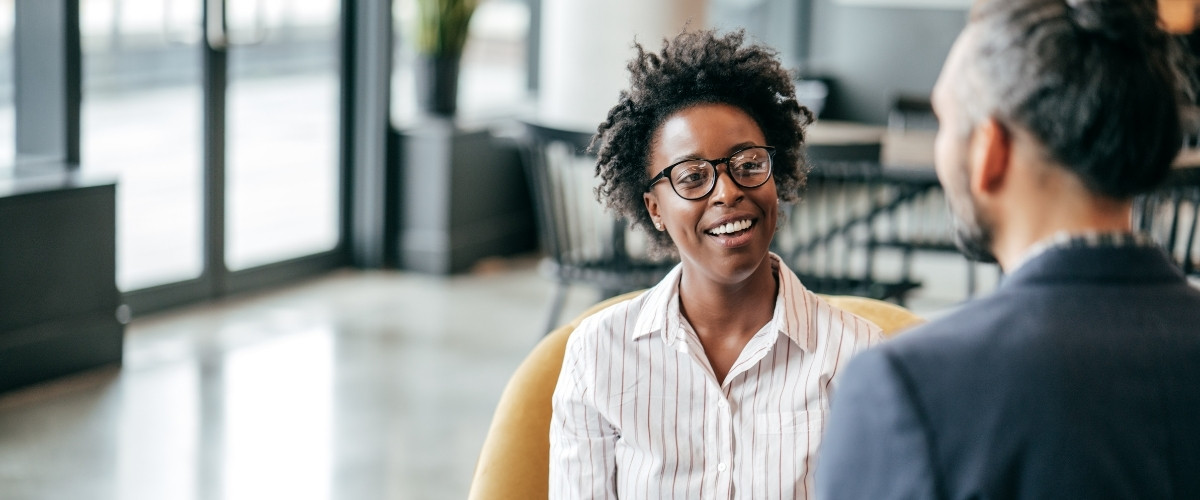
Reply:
x=515 y=460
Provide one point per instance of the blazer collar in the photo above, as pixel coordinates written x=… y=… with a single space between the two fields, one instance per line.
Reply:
x=1128 y=264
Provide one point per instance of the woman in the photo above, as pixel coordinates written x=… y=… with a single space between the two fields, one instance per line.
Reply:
x=716 y=381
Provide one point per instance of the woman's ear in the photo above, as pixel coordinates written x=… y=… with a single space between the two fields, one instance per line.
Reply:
x=651 y=202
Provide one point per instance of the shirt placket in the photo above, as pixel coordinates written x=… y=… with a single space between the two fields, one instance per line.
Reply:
x=723 y=430
x=718 y=432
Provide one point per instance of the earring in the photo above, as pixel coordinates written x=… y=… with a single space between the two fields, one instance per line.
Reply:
x=658 y=226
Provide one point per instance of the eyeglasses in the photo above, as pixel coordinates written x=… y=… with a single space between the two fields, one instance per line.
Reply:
x=748 y=167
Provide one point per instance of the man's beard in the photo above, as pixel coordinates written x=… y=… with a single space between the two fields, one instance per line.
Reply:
x=972 y=232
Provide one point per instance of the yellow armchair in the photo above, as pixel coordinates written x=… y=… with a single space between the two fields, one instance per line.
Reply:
x=515 y=460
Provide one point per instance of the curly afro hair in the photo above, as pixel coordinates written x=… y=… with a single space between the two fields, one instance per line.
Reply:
x=696 y=68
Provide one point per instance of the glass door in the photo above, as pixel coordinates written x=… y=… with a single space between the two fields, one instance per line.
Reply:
x=282 y=175
x=221 y=120
x=142 y=116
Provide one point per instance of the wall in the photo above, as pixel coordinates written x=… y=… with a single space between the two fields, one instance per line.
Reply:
x=772 y=22
x=874 y=54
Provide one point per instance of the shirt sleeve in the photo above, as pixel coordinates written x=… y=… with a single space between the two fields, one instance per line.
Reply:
x=582 y=441
x=875 y=446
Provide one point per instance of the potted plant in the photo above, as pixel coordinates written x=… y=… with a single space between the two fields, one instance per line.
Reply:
x=439 y=34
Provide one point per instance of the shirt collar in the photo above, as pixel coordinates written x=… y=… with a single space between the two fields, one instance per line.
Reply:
x=660 y=312
x=1085 y=239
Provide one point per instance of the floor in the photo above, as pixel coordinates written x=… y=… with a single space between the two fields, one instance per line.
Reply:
x=353 y=385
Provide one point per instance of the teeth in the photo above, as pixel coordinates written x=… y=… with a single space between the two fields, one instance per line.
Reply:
x=731 y=227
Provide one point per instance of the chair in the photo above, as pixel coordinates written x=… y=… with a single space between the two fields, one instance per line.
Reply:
x=515 y=460
x=827 y=236
x=910 y=112
x=1171 y=216
x=583 y=244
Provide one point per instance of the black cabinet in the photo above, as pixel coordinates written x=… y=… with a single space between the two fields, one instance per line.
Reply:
x=58 y=292
x=462 y=196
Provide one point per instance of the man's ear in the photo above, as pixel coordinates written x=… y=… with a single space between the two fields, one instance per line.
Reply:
x=989 y=155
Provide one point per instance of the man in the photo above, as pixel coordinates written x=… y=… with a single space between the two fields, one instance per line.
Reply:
x=1080 y=376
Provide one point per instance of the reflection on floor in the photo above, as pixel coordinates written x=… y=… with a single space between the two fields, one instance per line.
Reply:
x=355 y=385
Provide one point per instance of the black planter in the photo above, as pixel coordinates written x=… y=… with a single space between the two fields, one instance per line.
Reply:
x=437 y=84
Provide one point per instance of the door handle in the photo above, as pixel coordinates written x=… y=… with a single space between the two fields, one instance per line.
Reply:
x=214 y=25
x=218 y=34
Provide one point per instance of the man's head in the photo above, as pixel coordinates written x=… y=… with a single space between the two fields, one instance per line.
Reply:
x=1089 y=87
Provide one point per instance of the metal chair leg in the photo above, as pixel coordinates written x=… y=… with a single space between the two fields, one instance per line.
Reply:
x=556 y=305
x=970 y=280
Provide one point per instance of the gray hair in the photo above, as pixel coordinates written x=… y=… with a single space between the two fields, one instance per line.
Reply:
x=1097 y=82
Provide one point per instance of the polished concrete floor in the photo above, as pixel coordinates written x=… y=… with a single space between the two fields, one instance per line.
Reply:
x=353 y=385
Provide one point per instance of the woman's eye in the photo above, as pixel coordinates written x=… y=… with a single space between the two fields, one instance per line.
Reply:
x=750 y=168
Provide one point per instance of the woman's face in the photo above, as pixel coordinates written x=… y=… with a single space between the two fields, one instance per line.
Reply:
x=699 y=228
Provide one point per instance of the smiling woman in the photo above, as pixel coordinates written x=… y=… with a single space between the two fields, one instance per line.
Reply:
x=730 y=347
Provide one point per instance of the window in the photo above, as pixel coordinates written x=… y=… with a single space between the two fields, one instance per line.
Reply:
x=8 y=136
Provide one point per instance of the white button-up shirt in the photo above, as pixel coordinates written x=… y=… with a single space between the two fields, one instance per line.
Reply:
x=638 y=412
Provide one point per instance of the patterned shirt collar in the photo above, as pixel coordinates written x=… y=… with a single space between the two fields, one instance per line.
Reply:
x=1087 y=239
x=661 y=312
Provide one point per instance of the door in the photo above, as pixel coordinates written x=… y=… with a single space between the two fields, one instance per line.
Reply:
x=220 y=119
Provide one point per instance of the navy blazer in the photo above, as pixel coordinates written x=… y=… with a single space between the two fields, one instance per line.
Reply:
x=1079 y=377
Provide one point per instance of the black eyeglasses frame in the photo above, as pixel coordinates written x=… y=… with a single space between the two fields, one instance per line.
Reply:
x=662 y=174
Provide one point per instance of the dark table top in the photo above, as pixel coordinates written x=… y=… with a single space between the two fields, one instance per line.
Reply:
x=27 y=180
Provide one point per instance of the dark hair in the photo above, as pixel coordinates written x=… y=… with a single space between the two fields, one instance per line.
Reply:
x=696 y=68
x=1097 y=82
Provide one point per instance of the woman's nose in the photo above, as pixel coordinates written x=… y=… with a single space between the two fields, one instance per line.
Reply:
x=726 y=191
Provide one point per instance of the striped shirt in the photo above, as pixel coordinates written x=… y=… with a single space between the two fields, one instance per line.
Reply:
x=638 y=412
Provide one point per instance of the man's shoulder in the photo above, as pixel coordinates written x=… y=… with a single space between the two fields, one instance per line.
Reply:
x=1014 y=325
x=955 y=341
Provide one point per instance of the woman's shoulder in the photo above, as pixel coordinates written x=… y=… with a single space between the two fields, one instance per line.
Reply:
x=613 y=322
x=631 y=317
x=827 y=315
x=838 y=316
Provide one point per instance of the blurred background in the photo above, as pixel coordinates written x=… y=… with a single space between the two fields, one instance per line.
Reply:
x=260 y=249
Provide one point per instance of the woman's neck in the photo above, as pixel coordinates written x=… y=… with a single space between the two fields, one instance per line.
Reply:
x=740 y=309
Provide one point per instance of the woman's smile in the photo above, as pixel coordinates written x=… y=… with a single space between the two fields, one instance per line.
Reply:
x=732 y=232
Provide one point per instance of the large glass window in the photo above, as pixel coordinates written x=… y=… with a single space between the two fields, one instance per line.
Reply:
x=283 y=131
x=8 y=136
x=142 y=119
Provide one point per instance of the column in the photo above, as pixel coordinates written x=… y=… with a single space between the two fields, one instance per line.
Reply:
x=586 y=44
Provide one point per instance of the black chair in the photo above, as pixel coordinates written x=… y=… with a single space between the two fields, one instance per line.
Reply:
x=852 y=152
x=910 y=112
x=1171 y=215
x=827 y=236
x=583 y=243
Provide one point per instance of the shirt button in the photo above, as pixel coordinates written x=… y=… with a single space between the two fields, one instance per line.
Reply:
x=721 y=467
x=722 y=404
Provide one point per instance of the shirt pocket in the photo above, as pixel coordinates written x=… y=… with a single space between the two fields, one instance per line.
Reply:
x=788 y=423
